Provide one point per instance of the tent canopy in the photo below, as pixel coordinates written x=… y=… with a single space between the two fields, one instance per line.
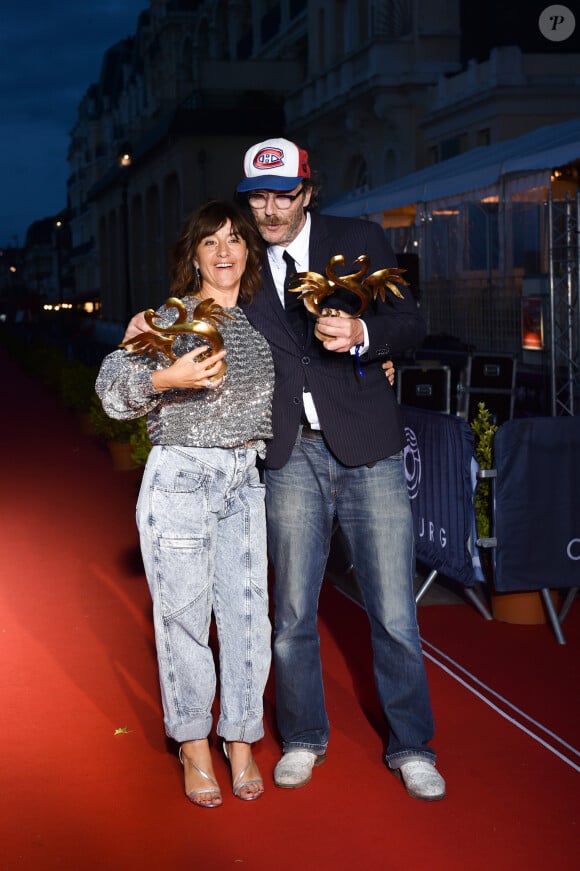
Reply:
x=527 y=160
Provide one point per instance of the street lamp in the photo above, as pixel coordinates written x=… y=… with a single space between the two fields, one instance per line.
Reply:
x=58 y=242
x=125 y=160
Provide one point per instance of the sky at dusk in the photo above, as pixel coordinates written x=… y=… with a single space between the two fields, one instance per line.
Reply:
x=50 y=53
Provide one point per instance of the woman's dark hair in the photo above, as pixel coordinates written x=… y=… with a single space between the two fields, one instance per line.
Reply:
x=202 y=223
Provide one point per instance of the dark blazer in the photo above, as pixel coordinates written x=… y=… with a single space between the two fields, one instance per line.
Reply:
x=359 y=415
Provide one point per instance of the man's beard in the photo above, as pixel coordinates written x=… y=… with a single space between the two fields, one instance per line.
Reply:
x=290 y=229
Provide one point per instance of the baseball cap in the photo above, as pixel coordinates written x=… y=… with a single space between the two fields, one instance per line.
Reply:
x=275 y=164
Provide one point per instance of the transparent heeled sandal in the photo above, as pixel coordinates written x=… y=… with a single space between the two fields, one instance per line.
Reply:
x=196 y=796
x=240 y=787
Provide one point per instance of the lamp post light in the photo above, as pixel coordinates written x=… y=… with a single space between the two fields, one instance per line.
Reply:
x=58 y=242
x=125 y=161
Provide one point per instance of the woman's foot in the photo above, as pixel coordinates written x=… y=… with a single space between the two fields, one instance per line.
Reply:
x=201 y=787
x=247 y=782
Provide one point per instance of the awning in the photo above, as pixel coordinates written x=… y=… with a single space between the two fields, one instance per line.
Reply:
x=532 y=157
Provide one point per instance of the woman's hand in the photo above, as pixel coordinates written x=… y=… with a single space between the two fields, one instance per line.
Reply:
x=189 y=372
x=136 y=325
x=389 y=368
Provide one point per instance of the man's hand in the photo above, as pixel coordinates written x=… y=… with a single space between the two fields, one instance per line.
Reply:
x=340 y=333
x=137 y=325
x=344 y=332
x=389 y=368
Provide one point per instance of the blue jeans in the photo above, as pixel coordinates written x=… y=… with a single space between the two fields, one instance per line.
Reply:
x=201 y=521
x=372 y=507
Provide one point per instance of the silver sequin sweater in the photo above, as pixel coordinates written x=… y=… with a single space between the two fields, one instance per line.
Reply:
x=237 y=413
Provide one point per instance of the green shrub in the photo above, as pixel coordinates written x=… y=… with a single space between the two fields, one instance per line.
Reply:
x=140 y=442
x=77 y=385
x=484 y=434
x=44 y=361
x=108 y=428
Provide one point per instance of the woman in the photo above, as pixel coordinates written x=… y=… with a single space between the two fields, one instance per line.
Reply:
x=200 y=511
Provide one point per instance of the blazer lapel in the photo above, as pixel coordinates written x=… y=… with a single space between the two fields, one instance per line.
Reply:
x=269 y=288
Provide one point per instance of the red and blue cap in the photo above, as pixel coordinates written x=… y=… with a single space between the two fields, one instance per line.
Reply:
x=275 y=165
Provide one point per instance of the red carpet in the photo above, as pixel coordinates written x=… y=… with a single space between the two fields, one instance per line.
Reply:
x=77 y=664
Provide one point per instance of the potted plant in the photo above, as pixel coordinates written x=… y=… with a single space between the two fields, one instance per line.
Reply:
x=484 y=431
x=115 y=433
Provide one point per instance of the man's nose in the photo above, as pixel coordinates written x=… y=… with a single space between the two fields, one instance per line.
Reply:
x=270 y=206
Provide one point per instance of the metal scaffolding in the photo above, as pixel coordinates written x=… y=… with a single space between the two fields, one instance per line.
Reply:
x=564 y=269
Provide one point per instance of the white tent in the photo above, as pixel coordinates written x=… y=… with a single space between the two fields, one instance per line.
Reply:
x=521 y=163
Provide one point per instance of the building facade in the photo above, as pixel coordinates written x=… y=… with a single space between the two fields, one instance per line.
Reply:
x=374 y=89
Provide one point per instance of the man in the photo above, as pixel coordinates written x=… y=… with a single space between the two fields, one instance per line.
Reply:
x=336 y=455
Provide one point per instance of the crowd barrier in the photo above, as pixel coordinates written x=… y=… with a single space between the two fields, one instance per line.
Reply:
x=439 y=469
x=536 y=519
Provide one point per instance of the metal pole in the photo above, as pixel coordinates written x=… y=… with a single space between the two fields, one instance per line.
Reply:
x=575 y=350
x=552 y=309
x=569 y=303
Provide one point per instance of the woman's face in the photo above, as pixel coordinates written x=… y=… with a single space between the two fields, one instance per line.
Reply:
x=221 y=259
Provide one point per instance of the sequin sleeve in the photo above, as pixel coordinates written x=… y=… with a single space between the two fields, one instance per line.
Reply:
x=124 y=385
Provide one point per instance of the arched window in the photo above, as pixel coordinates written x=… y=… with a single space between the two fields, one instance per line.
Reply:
x=156 y=278
x=363 y=21
x=321 y=39
x=185 y=67
x=392 y=18
x=339 y=29
x=390 y=165
x=357 y=174
x=219 y=49
x=202 y=40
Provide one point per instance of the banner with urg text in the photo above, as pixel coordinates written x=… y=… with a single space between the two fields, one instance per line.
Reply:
x=438 y=466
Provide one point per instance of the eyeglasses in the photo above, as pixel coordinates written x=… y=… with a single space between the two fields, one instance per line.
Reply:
x=281 y=201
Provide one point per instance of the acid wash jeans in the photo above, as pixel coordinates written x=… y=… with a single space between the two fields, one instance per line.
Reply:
x=372 y=506
x=200 y=515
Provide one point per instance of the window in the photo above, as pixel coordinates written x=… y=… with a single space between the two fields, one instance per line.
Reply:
x=392 y=18
x=453 y=146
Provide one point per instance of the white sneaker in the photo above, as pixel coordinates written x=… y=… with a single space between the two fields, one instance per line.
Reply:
x=422 y=780
x=294 y=769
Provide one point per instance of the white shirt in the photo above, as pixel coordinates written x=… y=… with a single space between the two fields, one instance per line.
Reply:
x=298 y=250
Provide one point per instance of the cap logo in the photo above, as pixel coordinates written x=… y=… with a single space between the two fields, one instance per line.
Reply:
x=268 y=158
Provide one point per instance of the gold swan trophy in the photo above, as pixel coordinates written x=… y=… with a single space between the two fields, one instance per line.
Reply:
x=204 y=325
x=314 y=287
